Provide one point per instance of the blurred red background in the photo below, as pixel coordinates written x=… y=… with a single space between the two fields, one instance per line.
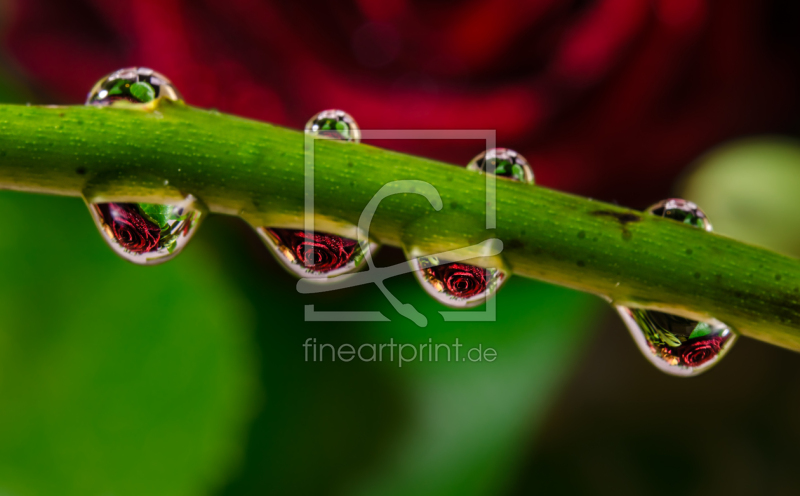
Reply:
x=607 y=98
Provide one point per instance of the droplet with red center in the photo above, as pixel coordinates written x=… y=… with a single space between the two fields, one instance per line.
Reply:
x=318 y=255
x=676 y=345
x=134 y=85
x=456 y=284
x=334 y=124
x=148 y=233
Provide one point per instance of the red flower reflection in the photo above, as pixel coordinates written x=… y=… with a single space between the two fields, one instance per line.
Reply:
x=130 y=229
x=322 y=253
x=460 y=280
x=701 y=351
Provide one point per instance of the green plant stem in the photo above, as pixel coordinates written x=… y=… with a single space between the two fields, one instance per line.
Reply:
x=255 y=170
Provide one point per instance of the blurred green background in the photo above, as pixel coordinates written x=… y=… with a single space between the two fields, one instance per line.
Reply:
x=189 y=378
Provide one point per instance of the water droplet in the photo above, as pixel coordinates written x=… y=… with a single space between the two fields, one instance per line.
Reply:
x=320 y=255
x=334 y=124
x=505 y=162
x=676 y=345
x=457 y=285
x=132 y=84
x=148 y=233
x=682 y=211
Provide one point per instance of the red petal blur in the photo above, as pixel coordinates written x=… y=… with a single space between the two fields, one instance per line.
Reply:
x=607 y=98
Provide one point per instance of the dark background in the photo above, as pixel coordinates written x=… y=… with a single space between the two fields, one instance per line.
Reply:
x=189 y=378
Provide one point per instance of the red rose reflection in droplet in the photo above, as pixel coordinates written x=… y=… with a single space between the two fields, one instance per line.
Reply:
x=461 y=280
x=701 y=351
x=320 y=253
x=131 y=230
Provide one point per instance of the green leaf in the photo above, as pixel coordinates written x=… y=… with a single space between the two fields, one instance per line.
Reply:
x=118 y=87
x=143 y=91
x=701 y=330
x=518 y=172
x=158 y=214
x=669 y=338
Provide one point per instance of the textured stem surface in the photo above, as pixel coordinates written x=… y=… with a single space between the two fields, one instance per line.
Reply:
x=236 y=166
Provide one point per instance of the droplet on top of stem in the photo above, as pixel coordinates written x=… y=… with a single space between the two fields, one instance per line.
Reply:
x=682 y=211
x=334 y=124
x=676 y=345
x=503 y=162
x=148 y=233
x=134 y=85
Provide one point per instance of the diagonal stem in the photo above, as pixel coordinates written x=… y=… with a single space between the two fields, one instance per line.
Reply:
x=165 y=150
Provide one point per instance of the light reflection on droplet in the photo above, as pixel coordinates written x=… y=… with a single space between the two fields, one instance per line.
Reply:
x=505 y=163
x=675 y=345
x=334 y=124
x=134 y=85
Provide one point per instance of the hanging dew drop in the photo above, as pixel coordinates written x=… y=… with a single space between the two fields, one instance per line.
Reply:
x=318 y=256
x=134 y=85
x=678 y=346
x=457 y=285
x=334 y=124
x=148 y=233
x=503 y=162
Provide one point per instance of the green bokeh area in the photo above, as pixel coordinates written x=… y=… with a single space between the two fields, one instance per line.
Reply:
x=114 y=379
x=190 y=377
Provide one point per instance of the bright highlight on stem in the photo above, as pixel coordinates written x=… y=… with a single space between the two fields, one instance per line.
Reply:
x=163 y=151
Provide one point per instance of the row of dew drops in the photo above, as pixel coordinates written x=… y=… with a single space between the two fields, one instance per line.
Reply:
x=147 y=233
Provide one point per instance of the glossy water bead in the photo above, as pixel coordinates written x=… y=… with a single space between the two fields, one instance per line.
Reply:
x=505 y=162
x=457 y=285
x=676 y=345
x=148 y=233
x=319 y=255
x=334 y=124
x=682 y=211
x=134 y=85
